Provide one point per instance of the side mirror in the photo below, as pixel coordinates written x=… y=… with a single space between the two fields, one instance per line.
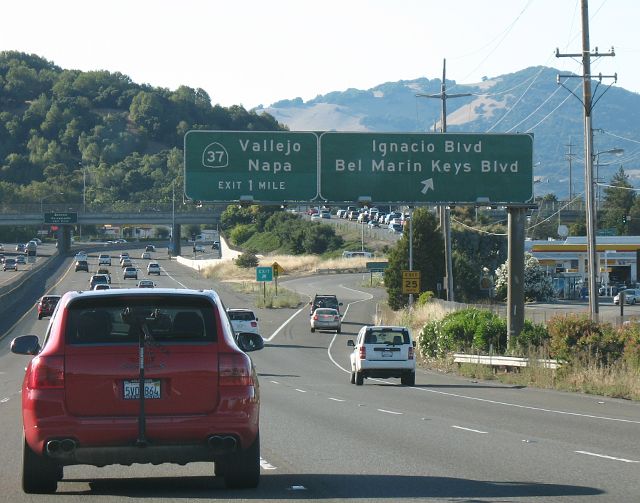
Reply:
x=351 y=343
x=339 y=303
x=25 y=345
x=413 y=344
x=248 y=341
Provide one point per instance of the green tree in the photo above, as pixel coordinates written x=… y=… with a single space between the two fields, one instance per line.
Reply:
x=428 y=258
x=619 y=198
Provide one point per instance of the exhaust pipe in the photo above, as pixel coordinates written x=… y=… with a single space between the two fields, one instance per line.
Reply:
x=224 y=443
x=68 y=445
x=53 y=446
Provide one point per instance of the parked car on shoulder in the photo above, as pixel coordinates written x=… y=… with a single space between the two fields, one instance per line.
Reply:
x=383 y=351
x=46 y=305
x=243 y=320
x=631 y=296
x=85 y=403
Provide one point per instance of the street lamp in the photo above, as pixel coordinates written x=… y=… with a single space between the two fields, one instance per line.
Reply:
x=614 y=151
x=43 y=199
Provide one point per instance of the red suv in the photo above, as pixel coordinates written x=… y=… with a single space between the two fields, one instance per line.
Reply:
x=81 y=400
x=46 y=305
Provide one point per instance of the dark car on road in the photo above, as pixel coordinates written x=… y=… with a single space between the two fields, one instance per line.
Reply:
x=82 y=265
x=46 y=305
x=89 y=400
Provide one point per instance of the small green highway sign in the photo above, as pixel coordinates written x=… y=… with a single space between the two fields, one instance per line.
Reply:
x=264 y=274
x=268 y=167
x=426 y=167
x=60 y=218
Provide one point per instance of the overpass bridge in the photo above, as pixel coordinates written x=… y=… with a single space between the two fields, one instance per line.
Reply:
x=171 y=216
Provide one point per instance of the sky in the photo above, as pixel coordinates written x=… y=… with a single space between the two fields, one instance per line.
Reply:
x=257 y=52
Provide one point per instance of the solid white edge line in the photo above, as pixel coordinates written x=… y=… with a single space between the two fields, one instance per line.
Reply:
x=265 y=465
x=284 y=324
x=300 y=390
x=467 y=429
x=604 y=456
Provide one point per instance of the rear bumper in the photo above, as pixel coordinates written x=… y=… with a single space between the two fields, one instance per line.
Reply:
x=375 y=368
x=322 y=325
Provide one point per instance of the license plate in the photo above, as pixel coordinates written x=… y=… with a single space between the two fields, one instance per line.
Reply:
x=132 y=389
x=387 y=354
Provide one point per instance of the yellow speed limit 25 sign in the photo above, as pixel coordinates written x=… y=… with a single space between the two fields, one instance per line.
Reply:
x=410 y=281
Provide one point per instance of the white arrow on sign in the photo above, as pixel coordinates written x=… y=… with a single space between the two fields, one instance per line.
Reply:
x=428 y=184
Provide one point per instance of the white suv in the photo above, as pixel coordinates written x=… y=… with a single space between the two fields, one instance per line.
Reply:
x=104 y=259
x=383 y=351
x=243 y=320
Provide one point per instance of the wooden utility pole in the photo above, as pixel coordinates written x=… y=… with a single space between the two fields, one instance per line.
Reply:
x=587 y=102
x=445 y=217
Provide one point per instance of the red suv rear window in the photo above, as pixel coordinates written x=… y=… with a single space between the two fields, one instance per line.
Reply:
x=175 y=319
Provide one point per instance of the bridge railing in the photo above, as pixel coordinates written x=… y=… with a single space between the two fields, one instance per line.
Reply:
x=34 y=208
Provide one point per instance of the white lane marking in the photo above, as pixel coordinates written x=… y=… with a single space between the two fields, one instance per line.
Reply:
x=467 y=429
x=607 y=457
x=526 y=407
x=300 y=390
x=343 y=317
x=265 y=465
x=390 y=412
x=337 y=399
x=275 y=382
x=174 y=279
x=284 y=324
x=4 y=400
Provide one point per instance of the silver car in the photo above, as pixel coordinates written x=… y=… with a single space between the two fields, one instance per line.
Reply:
x=325 y=318
x=631 y=296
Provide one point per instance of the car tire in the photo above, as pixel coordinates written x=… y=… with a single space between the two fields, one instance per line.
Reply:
x=353 y=378
x=39 y=316
x=241 y=470
x=409 y=379
x=313 y=329
x=633 y=302
x=359 y=378
x=40 y=475
x=339 y=331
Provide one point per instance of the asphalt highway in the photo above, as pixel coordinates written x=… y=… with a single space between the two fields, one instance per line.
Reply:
x=324 y=439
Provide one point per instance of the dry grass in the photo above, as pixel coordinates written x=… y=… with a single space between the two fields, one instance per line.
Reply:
x=293 y=265
x=415 y=318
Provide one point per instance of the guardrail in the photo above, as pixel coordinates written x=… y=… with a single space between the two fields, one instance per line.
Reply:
x=505 y=361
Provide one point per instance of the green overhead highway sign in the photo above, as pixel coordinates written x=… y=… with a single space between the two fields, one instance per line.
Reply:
x=227 y=166
x=426 y=167
x=60 y=218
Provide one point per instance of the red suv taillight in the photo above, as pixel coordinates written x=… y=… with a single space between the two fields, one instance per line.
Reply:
x=362 y=354
x=315 y=316
x=410 y=352
x=234 y=369
x=254 y=324
x=47 y=372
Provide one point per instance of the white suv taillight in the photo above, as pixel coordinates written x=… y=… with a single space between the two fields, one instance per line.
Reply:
x=410 y=352
x=234 y=369
x=362 y=354
x=47 y=372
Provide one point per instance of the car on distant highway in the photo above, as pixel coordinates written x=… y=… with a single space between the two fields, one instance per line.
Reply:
x=198 y=248
x=20 y=247
x=153 y=268
x=1 y=247
x=383 y=351
x=146 y=283
x=325 y=319
x=325 y=214
x=46 y=305
x=126 y=262
x=9 y=264
x=21 y=259
x=82 y=265
x=130 y=273
x=105 y=271
x=81 y=255
x=98 y=278
x=145 y=256
x=102 y=286
x=150 y=248
x=87 y=400
x=104 y=259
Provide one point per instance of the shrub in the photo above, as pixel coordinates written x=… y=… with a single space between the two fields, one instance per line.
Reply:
x=576 y=336
x=424 y=298
x=630 y=334
x=533 y=335
x=247 y=260
x=240 y=233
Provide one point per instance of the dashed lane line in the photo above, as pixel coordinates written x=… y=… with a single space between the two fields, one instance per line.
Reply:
x=468 y=429
x=604 y=456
